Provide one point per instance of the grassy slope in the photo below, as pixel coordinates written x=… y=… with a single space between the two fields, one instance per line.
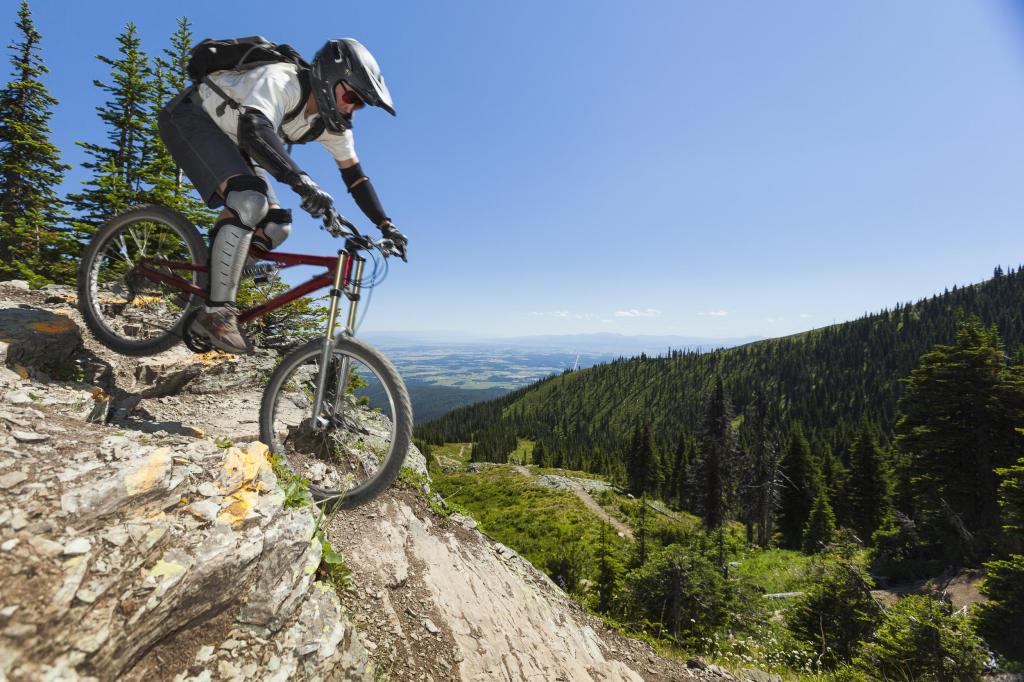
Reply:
x=544 y=524
x=540 y=523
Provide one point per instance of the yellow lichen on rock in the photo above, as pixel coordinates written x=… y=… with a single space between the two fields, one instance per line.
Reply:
x=150 y=473
x=241 y=467
x=58 y=325
x=166 y=569
x=143 y=301
x=240 y=507
x=214 y=357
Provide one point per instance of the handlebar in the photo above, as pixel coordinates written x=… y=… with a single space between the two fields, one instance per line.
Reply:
x=339 y=226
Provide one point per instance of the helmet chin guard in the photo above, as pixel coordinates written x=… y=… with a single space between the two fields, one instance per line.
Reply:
x=346 y=59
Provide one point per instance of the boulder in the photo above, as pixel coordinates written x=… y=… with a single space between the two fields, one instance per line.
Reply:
x=40 y=339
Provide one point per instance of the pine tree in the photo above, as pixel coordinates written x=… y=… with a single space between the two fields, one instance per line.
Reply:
x=640 y=548
x=834 y=477
x=762 y=493
x=643 y=468
x=801 y=481
x=1001 y=619
x=1011 y=503
x=714 y=475
x=868 y=488
x=608 y=571
x=821 y=525
x=538 y=456
x=33 y=243
x=958 y=421
x=557 y=460
x=680 y=466
x=119 y=168
x=167 y=184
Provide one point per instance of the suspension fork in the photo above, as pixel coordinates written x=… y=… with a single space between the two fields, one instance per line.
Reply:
x=348 y=278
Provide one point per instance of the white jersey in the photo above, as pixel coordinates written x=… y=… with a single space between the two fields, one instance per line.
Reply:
x=274 y=90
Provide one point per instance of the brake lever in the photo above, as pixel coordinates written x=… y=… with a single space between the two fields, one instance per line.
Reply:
x=337 y=226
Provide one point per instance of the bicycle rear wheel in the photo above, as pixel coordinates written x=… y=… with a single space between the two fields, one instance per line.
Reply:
x=367 y=416
x=126 y=310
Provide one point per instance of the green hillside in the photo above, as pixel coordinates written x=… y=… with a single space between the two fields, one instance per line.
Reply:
x=884 y=451
x=828 y=379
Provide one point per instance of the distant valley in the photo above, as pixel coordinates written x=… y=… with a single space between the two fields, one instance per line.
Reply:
x=444 y=372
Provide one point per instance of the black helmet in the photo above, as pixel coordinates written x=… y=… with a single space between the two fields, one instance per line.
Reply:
x=347 y=60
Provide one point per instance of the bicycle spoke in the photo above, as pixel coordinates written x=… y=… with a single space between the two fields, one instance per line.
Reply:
x=348 y=452
x=124 y=250
x=126 y=303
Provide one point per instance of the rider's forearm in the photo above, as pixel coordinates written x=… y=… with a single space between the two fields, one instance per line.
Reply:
x=257 y=138
x=365 y=196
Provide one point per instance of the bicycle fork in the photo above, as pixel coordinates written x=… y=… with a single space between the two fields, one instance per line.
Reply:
x=348 y=283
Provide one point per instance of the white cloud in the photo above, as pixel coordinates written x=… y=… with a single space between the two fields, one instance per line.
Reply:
x=554 y=313
x=716 y=313
x=633 y=312
x=805 y=315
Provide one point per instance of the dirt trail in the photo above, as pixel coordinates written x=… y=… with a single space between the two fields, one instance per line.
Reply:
x=591 y=503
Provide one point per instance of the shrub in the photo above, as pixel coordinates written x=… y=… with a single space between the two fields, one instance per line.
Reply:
x=821 y=525
x=837 y=611
x=899 y=552
x=1001 y=619
x=682 y=589
x=921 y=638
x=568 y=564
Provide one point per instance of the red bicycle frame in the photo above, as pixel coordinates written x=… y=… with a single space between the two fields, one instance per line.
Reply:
x=339 y=273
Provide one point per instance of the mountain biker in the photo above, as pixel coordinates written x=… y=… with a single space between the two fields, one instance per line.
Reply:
x=227 y=137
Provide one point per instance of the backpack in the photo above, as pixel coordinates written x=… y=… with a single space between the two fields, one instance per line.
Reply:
x=236 y=54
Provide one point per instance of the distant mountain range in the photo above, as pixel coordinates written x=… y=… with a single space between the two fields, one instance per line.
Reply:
x=604 y=343
x=621 y=344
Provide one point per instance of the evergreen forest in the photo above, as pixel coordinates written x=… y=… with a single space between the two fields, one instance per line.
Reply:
x=889 y=449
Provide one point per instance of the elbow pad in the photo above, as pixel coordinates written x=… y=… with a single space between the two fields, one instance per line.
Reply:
x=364 y=194
x=257 y=138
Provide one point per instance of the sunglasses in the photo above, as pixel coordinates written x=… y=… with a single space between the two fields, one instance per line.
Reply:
x=350 y=97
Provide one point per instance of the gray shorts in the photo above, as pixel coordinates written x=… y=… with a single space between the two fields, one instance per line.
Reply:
x=204 y=152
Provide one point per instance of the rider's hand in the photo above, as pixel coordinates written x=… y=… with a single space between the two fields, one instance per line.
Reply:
x=400 y=241
x=315 y=201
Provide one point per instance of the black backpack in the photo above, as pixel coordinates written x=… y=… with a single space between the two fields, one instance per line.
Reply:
x=237 y=54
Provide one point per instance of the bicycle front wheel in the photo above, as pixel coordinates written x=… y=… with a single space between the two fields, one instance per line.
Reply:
x=355 y=447
x=125 y=307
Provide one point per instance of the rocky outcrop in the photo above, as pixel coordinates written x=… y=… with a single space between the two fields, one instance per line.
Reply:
x=116 y=544
x=34 y=337
x=134 y=547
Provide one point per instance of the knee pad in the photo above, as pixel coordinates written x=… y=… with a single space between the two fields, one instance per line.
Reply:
x=276 y=226
x=246 y=197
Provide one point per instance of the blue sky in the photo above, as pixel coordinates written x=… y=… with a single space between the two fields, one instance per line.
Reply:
x=713 y=169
